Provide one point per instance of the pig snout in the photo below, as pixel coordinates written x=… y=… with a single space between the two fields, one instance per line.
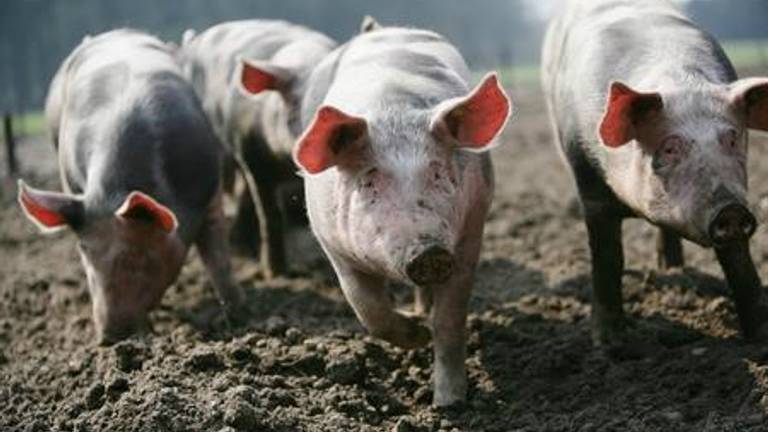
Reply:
x=732 y=223
x=429 y=262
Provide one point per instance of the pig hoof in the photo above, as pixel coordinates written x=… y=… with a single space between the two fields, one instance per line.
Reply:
x=608 y=336
x=453 y=400
x=235 y=314
x=418 y=335
x=270 y=272
x=408 y=334
x=451 y=394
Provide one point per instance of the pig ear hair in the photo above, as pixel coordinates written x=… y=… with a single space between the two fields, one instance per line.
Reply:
x=477 y=119
x=624 y=110
x=331 y=132
x=751 y=94
x=50 y=211
x=139 y=205
x=256 y=77
x=369 y=24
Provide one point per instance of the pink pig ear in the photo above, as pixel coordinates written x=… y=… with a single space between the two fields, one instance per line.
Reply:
x=139 y=205
x=625 y=109
x=752 y=94
x=477 y=119
x=331 y=134
x=50 y=211
x=256 y=77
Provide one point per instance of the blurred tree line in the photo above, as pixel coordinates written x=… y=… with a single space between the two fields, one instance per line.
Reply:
x=36 y=35
x=731 y=19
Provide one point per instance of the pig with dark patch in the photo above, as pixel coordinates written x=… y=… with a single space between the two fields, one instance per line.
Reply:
x=398 y=182
x=653 y=122
x=140 y=169
x=251 y=76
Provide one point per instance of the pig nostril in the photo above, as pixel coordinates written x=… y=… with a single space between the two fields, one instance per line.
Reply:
x=433 y=265
x=748 y=228
x=734 y=222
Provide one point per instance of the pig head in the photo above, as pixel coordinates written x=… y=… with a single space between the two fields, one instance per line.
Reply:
x=130 y=256
x=678 y=156
x=401 y=197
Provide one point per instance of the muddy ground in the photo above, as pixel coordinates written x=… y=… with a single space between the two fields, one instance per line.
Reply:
x=303 y=363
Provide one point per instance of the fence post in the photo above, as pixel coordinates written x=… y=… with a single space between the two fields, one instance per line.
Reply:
x=10 y=144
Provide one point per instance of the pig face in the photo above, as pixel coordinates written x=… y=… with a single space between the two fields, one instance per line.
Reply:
x=130 y=258
x=400 y=191
x=690 y=173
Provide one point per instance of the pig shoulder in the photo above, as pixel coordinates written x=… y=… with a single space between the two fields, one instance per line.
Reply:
x=151 y=135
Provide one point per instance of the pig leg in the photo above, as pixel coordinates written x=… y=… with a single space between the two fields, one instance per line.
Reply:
x=422 y=304
x=607 y=267
x=245 y=229
x=603 y=214
x=213 y=247
x=747 y=289
x=449 y=317
x=257 y=166
x=669 y=248
x=369 y=298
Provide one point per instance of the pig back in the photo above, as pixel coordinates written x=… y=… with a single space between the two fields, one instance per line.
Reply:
x=210 y=61
x=647 y=45
x=130 y=121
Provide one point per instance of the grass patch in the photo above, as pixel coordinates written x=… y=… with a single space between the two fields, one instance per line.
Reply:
x=751 y=55
x=31 y=123
x=748 y=54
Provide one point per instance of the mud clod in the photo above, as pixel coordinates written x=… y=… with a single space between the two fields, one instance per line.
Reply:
x=116 y=388
x=404 y=425
x=129 y=356
x=94 y=399
x=242 y=416
x=345 y=370
x=204 y=361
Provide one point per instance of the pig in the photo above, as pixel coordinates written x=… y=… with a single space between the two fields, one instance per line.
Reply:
x=652 y=120
x=398 y=181
x=140 y=169
x=251 y=76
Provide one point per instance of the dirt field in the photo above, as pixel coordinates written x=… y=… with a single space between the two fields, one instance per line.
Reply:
x=303 y=363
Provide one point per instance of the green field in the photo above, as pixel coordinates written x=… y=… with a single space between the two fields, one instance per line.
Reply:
x=749 y=56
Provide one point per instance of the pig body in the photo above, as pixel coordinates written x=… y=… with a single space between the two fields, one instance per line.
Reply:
x=398 y=184
x=261 y=129
x=140 y=169
x=650 y=116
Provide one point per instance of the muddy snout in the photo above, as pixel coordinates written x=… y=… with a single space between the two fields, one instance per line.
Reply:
x=733 y=222
x=429 y=263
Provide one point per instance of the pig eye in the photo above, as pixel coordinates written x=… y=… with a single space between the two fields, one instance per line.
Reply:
x=732 y=139
x=672 y=147
x=669 y=153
